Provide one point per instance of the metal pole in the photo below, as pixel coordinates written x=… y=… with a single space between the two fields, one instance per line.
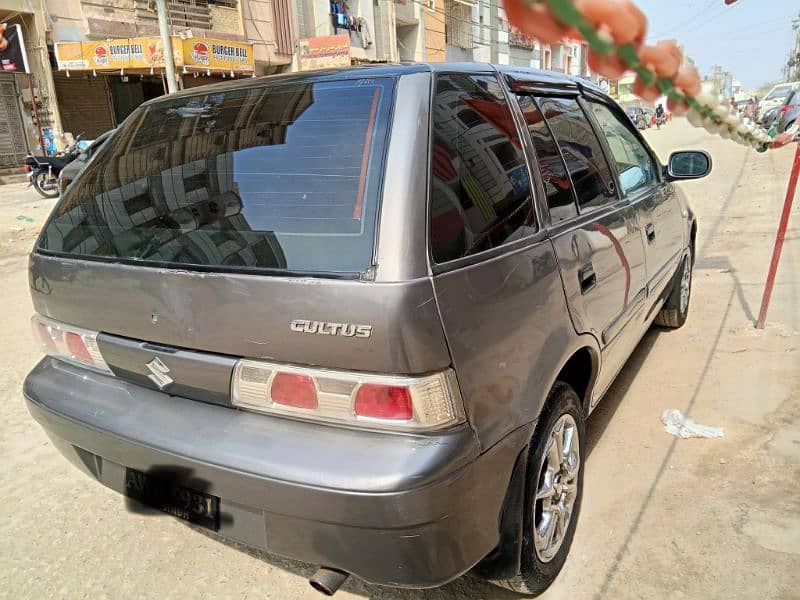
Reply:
x=776 y=253
x=166 y=42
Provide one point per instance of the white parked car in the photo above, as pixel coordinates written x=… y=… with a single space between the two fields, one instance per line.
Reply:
x=777 y=96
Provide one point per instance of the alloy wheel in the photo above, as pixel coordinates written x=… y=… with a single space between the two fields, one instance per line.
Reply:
x=557 y=488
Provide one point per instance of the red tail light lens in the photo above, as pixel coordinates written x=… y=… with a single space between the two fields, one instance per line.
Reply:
x=69 y=343
x=786 y=109
x=46 y=335
x=77 y=348
x=366 y=400
x=384 y=402
x=291 y=389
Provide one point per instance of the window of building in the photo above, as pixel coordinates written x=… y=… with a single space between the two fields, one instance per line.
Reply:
x=634 y=163
x=558 y=187
x=458 y=24
x=582 y=152
x=480 y=186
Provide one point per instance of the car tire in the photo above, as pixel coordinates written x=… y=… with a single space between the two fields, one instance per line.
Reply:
x=547 y=492
x=676 y=309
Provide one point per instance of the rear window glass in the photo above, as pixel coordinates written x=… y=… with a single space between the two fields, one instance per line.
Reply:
x=281 y=176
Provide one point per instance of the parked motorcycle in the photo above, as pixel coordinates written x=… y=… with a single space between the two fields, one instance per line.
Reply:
x=43 y=171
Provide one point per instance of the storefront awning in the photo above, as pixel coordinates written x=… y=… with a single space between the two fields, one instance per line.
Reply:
x=143 y=53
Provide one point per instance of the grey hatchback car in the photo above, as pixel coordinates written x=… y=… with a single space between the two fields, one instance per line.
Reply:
x=359 y=317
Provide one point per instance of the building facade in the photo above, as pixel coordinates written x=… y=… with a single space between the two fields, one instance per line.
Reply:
x=93 y=61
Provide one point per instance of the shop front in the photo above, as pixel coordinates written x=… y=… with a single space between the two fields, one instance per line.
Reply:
x=113 y=77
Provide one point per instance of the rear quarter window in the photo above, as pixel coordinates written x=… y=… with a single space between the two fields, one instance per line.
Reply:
x=283 y=176
x=480 y=195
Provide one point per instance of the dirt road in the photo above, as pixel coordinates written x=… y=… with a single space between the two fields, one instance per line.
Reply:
x=661 y=518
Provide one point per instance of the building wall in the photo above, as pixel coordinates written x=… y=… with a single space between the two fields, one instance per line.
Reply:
x=226 y=20
x=317 y=22
x=385 y=36
x=456 y=54
x=433 y=21
x=260 y=29
x=520 y=57
x=35 y=25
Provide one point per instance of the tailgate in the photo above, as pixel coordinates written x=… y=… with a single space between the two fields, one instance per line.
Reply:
x=248 y=315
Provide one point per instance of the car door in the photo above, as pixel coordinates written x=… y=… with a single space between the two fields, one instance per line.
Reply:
x=642 y=183
x=494 y=272
x=595 y=233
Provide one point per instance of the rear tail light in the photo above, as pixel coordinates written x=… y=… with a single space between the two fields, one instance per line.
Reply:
x=375 y=401
x=290 y=389
x=68 y=343
x=786 y=109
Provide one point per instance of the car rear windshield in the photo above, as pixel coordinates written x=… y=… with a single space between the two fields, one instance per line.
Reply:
x=282 y=177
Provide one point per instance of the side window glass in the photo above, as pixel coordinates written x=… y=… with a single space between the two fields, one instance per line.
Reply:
x=558 y=187
x=583 y=154
x=635 y=166
x=480 y=185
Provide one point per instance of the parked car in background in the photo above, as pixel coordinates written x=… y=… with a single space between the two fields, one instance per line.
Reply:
x=637 y=116
x=769 y=117
x=380 y=361
x=777 y=96
x=72 y=170
x=789 y=112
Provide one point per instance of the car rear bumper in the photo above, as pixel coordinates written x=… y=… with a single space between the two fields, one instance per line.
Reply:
x=401 y=510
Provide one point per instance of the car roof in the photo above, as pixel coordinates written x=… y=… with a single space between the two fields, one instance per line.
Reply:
x=392 y=70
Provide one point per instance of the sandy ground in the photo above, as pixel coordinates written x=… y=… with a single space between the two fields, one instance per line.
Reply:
x=661 y=518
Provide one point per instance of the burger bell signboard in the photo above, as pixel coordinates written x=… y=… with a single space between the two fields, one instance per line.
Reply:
x=146 y=53
x=13 y=58
x=127 y=53
x=218 y=54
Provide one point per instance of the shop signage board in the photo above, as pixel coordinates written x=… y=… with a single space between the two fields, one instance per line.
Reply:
x=324 y=52
x=148 y=52
x=217 y=54
x=13 y=58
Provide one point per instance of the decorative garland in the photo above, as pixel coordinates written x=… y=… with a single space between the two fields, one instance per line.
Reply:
x=615 y=31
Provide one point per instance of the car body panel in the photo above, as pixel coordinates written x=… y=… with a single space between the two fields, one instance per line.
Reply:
x=246 y=315
x=425 y=507
x=404 y=509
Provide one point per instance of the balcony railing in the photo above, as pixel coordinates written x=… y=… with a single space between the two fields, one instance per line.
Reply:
x=520 y=40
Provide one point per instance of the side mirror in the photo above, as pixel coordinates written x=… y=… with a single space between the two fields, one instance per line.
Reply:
x=688 y=164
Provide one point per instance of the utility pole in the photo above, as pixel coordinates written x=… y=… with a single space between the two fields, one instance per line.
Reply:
x=166 y=42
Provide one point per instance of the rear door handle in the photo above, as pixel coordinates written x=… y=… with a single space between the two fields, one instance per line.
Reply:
x=651 y=233
x=587 y=277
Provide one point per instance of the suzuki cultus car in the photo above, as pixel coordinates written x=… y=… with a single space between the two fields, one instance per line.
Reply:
x=359 y=317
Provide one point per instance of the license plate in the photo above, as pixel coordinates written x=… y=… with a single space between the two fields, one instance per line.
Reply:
x=184 y=503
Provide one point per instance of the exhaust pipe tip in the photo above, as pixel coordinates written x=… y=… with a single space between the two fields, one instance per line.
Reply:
x=328 y=581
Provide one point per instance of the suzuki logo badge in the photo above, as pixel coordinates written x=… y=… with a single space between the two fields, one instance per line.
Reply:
x=158 y=373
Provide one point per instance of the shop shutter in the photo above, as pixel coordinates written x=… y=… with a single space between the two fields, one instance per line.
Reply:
x=12 y=134
x=84 y=104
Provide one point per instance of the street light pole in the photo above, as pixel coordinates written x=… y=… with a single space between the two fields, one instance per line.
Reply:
x=166 y=43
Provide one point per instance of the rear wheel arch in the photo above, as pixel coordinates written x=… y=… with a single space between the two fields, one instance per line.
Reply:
x=579 y=371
